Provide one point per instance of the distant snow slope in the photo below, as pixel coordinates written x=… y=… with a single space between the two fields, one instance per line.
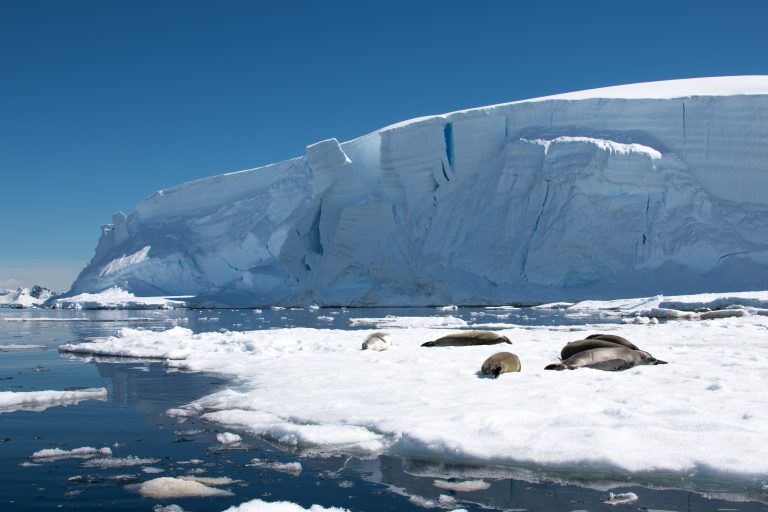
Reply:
x=25 y=297
x=623 y=191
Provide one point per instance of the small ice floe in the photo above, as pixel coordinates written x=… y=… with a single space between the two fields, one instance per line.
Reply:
x=184 y=487
x=190 y=461
x=377 y=341
x=280 y=506
x=119 y=462
x=313 y=307
x=22 y=347
x=722 y=313
x=624 y=498
x=293 y=468
x=671 y=314
x=11 y=401
x=324 y=318
x=167 y=508
x=465 y=486
x=192 y=432
x=449 y=307
x=442 y=501
x=151 y=470
x=95 y=479
x=84 y=452
x=228 y=438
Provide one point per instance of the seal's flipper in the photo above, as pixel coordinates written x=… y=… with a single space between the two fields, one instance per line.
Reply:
x=659 y=361
x=556 y=366
x=428 y=344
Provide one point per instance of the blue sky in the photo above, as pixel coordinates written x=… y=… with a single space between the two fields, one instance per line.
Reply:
x=104 y=102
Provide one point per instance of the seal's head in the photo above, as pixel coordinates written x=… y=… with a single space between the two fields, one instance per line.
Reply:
x=647 y=358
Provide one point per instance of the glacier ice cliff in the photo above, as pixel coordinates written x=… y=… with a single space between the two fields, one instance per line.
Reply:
x=624 y=191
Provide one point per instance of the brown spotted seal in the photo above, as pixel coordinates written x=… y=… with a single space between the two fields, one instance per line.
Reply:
x=467 y=339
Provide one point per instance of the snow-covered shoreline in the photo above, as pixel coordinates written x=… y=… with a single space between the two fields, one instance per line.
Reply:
x=314 y=389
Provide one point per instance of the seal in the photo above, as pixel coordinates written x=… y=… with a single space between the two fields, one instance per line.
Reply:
x=467 y=339
x=377 y=341
x=501 y=362
x=612 y=337
x=610 y=359
x=574 y=347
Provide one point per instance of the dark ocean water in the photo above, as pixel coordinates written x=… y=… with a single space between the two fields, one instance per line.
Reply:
x=132 y=422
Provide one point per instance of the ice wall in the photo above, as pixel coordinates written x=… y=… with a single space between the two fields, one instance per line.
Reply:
x=587 y=195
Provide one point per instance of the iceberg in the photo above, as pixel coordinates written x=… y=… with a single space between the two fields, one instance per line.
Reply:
x=635 y=190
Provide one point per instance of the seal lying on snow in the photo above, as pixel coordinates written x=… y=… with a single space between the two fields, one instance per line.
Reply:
x=377 y=341
x=468 y=338
x=595 y=341
x=610 y=359
x=501 y=362
x=614 y=339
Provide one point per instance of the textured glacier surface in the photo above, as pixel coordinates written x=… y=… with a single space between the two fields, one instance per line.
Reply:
x=623 y=191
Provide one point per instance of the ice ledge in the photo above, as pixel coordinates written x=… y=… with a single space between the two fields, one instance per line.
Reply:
x=605 y=145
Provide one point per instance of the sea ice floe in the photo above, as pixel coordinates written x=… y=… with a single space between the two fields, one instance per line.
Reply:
x=465 y=486
x=280 y=506
x=293 y=468
x=624 y=498
x=167 y=508
x=228 y=438
x=315 y=389
x=11 y=401
x=51 y=454
x=170 y=487
x=118 y=462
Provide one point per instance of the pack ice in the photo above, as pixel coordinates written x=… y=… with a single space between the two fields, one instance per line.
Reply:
x=623 y=191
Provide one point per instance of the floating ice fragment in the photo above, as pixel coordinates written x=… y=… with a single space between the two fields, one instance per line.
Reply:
x=169 y=487
x=280 y=506
x=50 y=454
x=118 y=462
x=293 y=468
x=11 y=401
x=466 y=486
x=167 y=508
x=624 y=498
x=228 y=438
